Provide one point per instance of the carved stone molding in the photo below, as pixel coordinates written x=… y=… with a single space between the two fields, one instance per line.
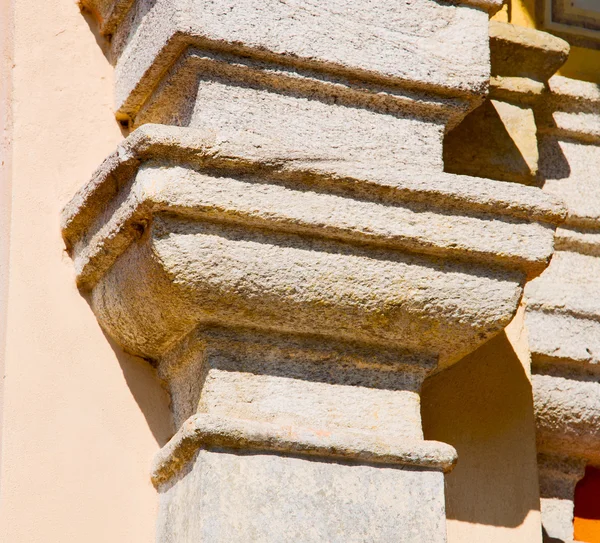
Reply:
x=177 y=234
x=563 y=304
x=319 y=44
x=382 y=260
x=286 y=249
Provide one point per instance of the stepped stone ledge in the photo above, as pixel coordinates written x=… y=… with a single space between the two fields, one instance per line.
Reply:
x=135 y=195
x=328 y=46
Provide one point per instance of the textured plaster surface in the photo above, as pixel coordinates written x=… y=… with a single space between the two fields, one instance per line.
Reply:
x=6 y=137
x=230 y=497
x=76 y=444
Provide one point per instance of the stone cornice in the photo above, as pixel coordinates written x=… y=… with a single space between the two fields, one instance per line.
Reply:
x=563 y=304
x=522 y=62
x=124 y=203
x=331 y=43
x=462 y=201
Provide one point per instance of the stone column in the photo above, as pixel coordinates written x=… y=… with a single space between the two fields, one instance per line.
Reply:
x=290 y=255
x=563 y=305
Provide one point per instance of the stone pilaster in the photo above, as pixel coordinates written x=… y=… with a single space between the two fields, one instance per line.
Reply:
x=563 y=305
x=278 y=237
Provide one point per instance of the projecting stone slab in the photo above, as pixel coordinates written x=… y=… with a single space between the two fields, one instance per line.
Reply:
x=500 y=138
x=433 y=45
x=328 y=123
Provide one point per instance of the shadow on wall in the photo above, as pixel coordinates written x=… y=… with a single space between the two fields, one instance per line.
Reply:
x=483 y=406
x=148 y=392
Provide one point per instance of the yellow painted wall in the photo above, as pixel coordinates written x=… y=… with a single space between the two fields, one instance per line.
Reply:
x=81 y=421
x=582 y=63
x=483 y=406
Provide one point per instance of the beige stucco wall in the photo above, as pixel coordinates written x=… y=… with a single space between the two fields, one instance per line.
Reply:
x=483 y=406
x=80 y=420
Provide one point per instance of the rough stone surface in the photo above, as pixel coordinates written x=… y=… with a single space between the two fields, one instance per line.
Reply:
x=293 y=259
x=110 y=13
x=202 y=431
x=517 y=51
x=279 y=257
x=568 y=415
x=563 y=304
x=324 y=128
x=432 y=44
x=274 y=378
x=229 y=497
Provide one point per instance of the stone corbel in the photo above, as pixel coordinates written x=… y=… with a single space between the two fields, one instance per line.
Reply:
x=563 y=304
x=499 y=139
x=286 y=249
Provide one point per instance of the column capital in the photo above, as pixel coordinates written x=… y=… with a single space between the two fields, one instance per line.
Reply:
x=179 y=227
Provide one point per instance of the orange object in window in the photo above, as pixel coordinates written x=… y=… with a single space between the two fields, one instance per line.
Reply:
x=587 y=507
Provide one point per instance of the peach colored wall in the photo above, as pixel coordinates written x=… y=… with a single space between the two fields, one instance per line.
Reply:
x=81 y=420
x=483 y=406
x=6 y=54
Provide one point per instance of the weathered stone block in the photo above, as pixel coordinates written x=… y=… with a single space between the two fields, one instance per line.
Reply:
x=432 y=44
x=228 y=497
x=213 y=252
